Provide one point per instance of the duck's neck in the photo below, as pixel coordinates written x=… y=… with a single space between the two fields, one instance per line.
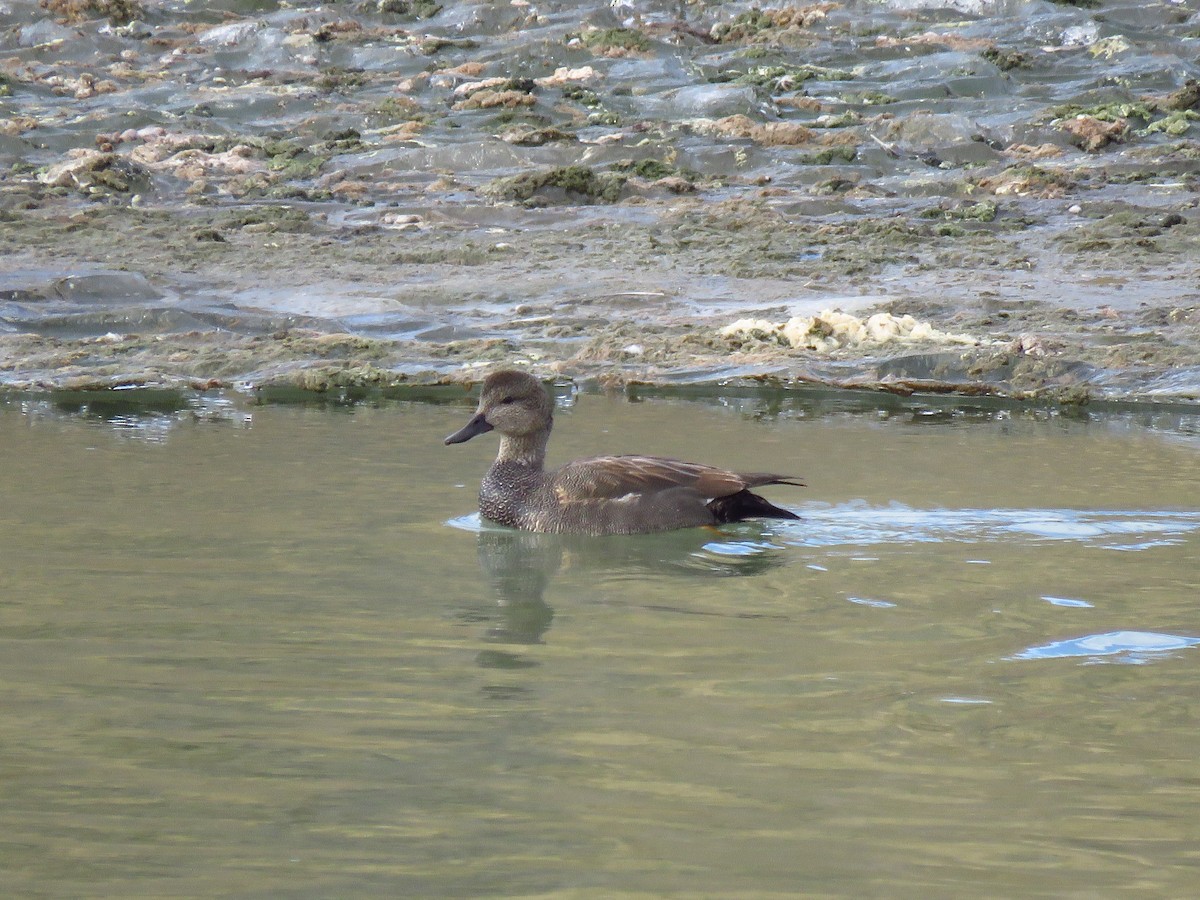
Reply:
x=524 y=449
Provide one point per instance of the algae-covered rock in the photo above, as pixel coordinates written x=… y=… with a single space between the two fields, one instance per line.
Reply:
x=983 y=211
x=119 y=12
x=770 y=134
x=565 y=184
x=95 y=172
x=615 y=41
x=1115 y=111
x=493 y=99
x=1022 y=181
x=868 y=98
x=531 y=136
x=1091 y=134
x=755 y=25
x=790 y=77
x=321 y=379
x=417 y=9
x=744 y=26
x=267 y=218
x=1006 y=60
x=652 y=169
x=1186 y=98
x=1175 y=123
x=829 y=156
x=582 y=95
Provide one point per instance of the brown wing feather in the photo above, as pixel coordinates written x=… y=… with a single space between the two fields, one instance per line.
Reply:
x=758 y=479
x=616 y=476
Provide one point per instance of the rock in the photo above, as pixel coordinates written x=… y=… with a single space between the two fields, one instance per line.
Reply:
x=1092 y=134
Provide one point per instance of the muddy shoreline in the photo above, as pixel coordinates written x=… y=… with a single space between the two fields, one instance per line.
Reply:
x=625 y=308
x=328 y=199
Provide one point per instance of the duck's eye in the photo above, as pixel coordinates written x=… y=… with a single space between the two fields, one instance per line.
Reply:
x=507 y=400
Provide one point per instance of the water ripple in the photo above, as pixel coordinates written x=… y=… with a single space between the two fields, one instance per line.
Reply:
x=1128 y=647
x=862 y=524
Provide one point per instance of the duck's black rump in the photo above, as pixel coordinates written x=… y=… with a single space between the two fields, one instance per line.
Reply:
x=745 y=505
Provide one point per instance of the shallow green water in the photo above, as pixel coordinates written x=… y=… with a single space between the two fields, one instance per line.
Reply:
x=268 y=652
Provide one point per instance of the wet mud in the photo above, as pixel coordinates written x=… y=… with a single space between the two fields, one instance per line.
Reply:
x=373 y=194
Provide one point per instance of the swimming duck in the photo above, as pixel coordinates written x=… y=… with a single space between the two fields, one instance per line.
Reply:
x=601 y=494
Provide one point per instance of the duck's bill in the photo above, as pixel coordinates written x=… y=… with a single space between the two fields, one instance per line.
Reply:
x=477 y=425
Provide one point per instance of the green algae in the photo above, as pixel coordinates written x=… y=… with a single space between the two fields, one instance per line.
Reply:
x=1032 y=179
x=299 y=165
x=431 y=46
x=335 y=80
x=523 y=85
x=846 y=119
x=100 y=176
x=605 y=117
x=346 y=140
x=267 y=218
x=828 y=156
x=535 y=135
x=583 y=96
x=776 y=26
x=589 y=99
x=744 y=26
x=653 y=169
x=868 y=98
x=1134 y=231
x=118 y=12
x=983 y=211
x=1175 y=123
x=1186 y=97
x=392 y=110
x=417 y=9
x=604 y=40
x=1006 y=60
x=788 y=77
x=579 y=182
x=1106 y=112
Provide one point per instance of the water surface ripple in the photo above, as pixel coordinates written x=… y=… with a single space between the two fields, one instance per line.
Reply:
x=263 y=650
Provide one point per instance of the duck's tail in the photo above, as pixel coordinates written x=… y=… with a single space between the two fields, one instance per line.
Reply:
x=745 y=505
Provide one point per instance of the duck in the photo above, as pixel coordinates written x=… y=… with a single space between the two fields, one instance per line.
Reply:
x=599 y=495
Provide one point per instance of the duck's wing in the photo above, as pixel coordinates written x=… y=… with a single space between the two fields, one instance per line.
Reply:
x=603 y=477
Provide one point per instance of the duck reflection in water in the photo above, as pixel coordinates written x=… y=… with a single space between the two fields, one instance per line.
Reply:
x=519 y=566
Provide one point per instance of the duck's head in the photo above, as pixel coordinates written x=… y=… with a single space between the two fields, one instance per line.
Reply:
x=512 y=403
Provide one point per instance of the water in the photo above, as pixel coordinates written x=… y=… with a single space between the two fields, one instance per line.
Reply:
x=268 y=651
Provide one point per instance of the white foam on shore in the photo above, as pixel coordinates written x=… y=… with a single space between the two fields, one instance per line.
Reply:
x=831 y=330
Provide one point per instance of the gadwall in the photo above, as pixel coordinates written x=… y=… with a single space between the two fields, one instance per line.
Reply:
x=602 y=494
